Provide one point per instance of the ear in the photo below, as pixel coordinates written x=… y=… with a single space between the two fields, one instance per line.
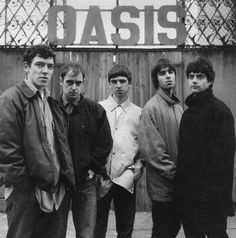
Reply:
x=61 y=80
x=210 y=83
x=26 y=67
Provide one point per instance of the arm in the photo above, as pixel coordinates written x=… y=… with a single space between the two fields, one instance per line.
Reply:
x=222 y=149
x=138 y=167
x=12 y=168
x=152 y=147
x=103 y=143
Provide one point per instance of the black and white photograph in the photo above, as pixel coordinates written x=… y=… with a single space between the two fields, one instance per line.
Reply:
x=117 y=119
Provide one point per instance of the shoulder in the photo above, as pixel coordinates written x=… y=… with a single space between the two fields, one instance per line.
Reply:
x=220 y=109
x=10 y=93
x=12 y=96
x=55 y=106
x=152 y=104
x=179 y=107
x=219 y=105
x=135 y=108
x=92 y=105
x=104 y=102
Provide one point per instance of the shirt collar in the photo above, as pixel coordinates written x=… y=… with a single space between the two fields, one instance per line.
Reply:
x=45 y=92
x=66 y=102
x=170 y=100
x=114 y=104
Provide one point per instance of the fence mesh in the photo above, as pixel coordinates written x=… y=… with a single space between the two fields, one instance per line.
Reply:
x=208 y=22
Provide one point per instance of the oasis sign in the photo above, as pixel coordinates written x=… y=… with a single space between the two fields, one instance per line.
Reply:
x=156 y=28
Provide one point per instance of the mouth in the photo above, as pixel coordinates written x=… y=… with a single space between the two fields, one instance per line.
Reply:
x=44 y=78
x=73 y=93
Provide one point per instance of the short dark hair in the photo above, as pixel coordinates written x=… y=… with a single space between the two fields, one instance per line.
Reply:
x=42 y=50
x=161 y=63
x=201 y=65
x=74 y=67
x=119 y=70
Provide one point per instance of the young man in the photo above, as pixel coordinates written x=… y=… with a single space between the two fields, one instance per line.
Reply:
x=90 y=143
x=206 y=157
x=35 y=162
x=123 y=165
x=158 y=139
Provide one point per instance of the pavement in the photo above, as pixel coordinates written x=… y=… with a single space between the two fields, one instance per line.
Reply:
x=142 y=226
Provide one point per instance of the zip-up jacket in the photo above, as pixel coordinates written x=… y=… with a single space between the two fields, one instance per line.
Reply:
x=25 y=154
x=158 y=139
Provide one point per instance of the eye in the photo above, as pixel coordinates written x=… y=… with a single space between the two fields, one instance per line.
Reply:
x=161 y=73
x=40 y=65
x=69 y=82
x=78 y=83
x=114 y=81
x=191 y=76
x=51 y=66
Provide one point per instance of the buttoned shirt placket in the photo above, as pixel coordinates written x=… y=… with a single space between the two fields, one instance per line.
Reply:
x=118 y=113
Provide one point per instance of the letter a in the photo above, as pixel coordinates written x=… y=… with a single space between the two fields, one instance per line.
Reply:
x=94 y=19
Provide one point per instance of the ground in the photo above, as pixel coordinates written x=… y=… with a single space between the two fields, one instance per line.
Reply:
x=142 y=226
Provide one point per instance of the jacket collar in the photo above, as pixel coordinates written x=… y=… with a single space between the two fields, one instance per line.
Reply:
x=78 y=103
x=64 y=101
x=28 y=91
x=199 y=99
x=24 y=88
x=113 y=104
x=170 y=100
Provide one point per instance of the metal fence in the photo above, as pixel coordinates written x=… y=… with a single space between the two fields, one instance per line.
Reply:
x=208 y=22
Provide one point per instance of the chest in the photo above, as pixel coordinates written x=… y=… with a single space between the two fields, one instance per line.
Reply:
x=198 y=125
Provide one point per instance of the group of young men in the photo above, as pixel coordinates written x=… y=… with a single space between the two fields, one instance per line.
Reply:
x=71 y=152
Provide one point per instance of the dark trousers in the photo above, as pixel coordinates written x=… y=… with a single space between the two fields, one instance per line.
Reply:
x=27 y=220
x=205 y=225
x=124 y=206
x=166 y=222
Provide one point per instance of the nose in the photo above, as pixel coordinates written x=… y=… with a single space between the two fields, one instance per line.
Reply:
x=118 y=84
x=74 y=85
x=194 y=79
x=45 y=69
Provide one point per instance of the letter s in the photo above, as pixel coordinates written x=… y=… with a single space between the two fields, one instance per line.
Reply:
x=181 y=32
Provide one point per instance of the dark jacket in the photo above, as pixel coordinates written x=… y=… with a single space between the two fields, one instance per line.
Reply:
x=25 y=155
x=206 y=156
x=89 y=138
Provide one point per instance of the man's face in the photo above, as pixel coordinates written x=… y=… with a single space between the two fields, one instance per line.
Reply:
x=72 y=86
x=40 y=71
x=198 y=82
x=120 y=86
x=166 y=78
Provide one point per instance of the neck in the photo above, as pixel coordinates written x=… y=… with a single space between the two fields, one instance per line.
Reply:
x=41 y=90
x=71 y=100
x=168 y=92
x=120 y=100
